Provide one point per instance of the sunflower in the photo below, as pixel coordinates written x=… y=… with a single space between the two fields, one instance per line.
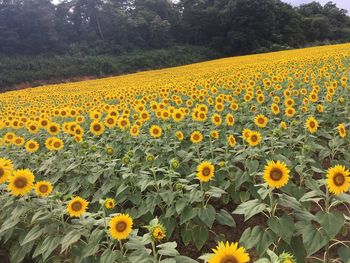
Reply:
x=19 y=141
x=109 y=203
x=5 y=171
x=205 y=171
x=275 y=109
x=214 y=134
x=342 y=130
x=229 y=253
x=290 y=112
x=120 y=226
x=31 y=146
x=216 y=119
x=179 y=135
x=196 y=137
x=77 y=206
x=97 y=128
x=338 y=180
x=43 y=188
x=246 y=133
x=283 y=125
x=21 y=183
x=158 y=232
x=311 y=124
x=260 y=121
x=56 y=144
x=254 y=138
x=276 y=174
x=178 y=115
x=53 y=128
x=230 y=120
x=155 y=131
x=231 y=140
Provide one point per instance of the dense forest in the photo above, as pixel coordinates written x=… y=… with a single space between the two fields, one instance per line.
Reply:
x=74 y=29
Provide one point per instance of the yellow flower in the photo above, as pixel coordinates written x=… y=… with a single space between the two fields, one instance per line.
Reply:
x=158 y=232
x=342 y=130
x=5 y=171
x=229 y=253
x=97 y=128
x=31 y=146
x=43 y=188
x=231 y=140
x=205 y=171
x=254 y=138
x=109 y=203
x=120 y=226
x=311 y=124
x=196 y=137
x=155 y=131
x=290 y=112
x=77 y=206
x=338 y=180
x=179 y=135
x=276 y=174
x=260 y=121
x=21 y=183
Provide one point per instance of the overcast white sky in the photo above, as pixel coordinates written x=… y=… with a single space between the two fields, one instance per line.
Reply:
x=340 y=3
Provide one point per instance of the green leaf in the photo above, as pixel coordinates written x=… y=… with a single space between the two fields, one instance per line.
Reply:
x=187 y=214
x=331 y=222
x=250 y=208
x=207 y=215
x=313 y=239
x=109 y=255
x=33 y=234
x=50 y=243
x=183 y=259
x=283 y=227
x=200 y=235
x=224 y=218
x=344 y=254
x=72 y=237
x=168 y=249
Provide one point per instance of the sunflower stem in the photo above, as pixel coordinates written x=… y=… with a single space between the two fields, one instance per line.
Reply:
x=272 y=204
x=203 y=197
x=154 y=252
x=121 y=247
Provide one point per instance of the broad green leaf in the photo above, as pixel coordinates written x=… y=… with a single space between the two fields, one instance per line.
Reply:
x=331 y=222
x=200 y=235
x=33 y=234
x=224 y=218
x=69 y=239
x=283 y=227
x=250 y=208
x=207 y=215
x=313 y=239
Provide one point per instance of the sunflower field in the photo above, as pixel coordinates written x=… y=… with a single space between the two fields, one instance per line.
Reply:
x=236 y=160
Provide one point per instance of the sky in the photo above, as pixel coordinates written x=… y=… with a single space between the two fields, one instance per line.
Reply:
x=340 y=3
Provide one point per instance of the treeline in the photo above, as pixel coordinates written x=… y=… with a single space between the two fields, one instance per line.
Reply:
x=118 y=26
x=41 y=41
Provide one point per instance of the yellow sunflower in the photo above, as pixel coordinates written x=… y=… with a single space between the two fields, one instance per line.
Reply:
x=231 y=140
x=155 y=131
x=196 y=137
x=179 y=135
x=229 y=253
x=205 y=171
x=21 y=183
x=276 y=174
x=97 y=128
x=109 y=203
x=158 y=232
x=77 y=206
x=31 y=146
x=43 y=188
x=120 y=226
x=290 y=112
x=311 y=124
x=246 y=134
x=260 y=121
x=5 y=171
x=254 y=138
x=342 y=130
x=338 y=180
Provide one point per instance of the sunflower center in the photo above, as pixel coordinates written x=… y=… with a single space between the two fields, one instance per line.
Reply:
x=76 y=206
x=56 y=144
x=261 y=120
x=206 y=171
x=228 y=259
x=31 y=146
x=312 y=124
x=339 y=179
x=276 y=174
x=196 y=137
x=97 y=127
x=110 y=121
x=121 y=226
x=254 y=138
x=20 y=182
x=43 y=188
x=2 y=172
